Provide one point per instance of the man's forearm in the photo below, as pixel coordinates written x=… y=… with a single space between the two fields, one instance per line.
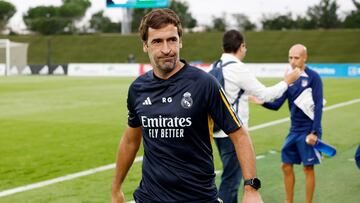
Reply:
x=269 y=94
x=128 y=147
x=245 y=152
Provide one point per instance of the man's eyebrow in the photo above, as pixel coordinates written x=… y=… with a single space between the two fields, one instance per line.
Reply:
x=156 y=40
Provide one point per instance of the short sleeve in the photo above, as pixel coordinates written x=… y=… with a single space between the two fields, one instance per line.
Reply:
x=133 y=118
x=220 y=109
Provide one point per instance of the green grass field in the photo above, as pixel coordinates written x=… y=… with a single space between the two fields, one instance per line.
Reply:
x=54 y=126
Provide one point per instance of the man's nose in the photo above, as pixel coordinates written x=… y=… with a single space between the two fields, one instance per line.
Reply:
x=165 y=48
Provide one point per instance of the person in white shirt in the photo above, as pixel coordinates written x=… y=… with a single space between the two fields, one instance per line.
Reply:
x=239 y=82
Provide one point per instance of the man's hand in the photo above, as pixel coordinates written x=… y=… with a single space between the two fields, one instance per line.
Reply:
x=311 y=139
x=292 y=76
x=255 y=100
x=251 y=195
x=118 y=197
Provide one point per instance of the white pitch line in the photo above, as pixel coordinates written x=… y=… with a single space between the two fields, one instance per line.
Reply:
x=342 y=104
x=268 y=124
x=138 y=159
x=60 y=179
x=283 y=120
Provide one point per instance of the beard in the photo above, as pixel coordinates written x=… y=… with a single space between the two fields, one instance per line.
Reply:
x=166 y=64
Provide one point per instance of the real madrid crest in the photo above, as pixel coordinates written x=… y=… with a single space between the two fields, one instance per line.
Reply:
x=304 y=82
x=186 y=101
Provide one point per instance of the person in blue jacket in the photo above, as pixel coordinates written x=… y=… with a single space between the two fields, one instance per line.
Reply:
x=357 y=157
x=305 y=123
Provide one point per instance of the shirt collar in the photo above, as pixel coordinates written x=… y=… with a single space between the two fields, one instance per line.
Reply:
x=303 y=73
x=229 y=57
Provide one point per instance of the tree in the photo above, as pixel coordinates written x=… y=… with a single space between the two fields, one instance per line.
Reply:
x=56 y=20
x=45 y=20
x=101 y=23
x=353 y=19
x=278 y=22
x=219 y=23
x=137 y=15
x=181 y=9
x=7 y=10
x=243 y=22
x=74 y=10
x=304 y=23
x=324 y=14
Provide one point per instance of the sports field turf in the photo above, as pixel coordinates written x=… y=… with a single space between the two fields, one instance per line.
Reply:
x=54 y=126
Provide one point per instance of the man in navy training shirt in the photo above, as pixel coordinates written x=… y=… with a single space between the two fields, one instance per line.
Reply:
x=305 y=129
x=173 y=109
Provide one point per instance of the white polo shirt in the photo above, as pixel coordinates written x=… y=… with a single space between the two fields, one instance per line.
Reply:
x=238 y=76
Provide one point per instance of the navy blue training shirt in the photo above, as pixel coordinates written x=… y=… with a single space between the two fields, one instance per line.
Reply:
x=300 y=122
x=176 y=116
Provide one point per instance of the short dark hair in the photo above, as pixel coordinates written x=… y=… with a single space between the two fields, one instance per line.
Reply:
x=159 y=18
x=232 y=40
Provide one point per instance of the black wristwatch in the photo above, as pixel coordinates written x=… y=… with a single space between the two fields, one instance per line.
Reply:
x=253 y=182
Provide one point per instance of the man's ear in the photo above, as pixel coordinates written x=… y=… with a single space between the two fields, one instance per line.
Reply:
x=305 y=58
x=180 y=44
x=145 y=47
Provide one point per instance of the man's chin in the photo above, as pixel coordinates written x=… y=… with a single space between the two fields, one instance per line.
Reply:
x=167 y=69
x=167 y=66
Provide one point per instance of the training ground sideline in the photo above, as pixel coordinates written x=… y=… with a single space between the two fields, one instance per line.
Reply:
x=138 y=159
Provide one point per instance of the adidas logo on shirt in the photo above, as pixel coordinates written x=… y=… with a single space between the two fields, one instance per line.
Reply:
x=147 y=102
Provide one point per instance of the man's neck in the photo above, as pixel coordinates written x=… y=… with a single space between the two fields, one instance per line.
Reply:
x=164 y=75
x=238 y=55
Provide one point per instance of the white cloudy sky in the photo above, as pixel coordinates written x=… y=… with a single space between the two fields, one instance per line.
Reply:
x=202 y=10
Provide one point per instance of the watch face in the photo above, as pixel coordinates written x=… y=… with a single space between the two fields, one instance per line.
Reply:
x=256 y=183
